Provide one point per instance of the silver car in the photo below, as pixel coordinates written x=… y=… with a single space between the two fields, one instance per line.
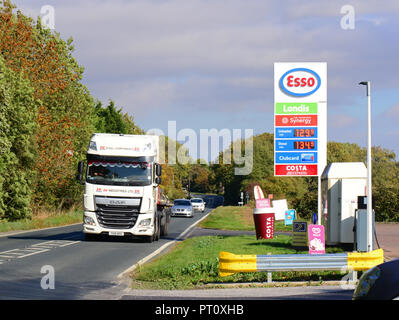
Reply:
x=198 y=204
x=183 y=208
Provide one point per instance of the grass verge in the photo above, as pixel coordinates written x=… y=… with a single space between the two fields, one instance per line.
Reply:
x=236 y=218
x=43 y=220
x=193 y=263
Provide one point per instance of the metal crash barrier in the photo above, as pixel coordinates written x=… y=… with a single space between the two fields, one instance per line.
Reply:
x=230 y=263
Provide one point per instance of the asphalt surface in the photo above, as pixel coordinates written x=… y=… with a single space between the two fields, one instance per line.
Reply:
x=30 y=261
x=274 y=293
x=388 y=239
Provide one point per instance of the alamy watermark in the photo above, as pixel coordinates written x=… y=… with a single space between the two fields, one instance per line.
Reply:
x=48 y=280
x=47 y=16
x=230 y=146
x=348 y=19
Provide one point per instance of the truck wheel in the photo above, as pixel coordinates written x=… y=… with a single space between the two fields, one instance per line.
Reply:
x=156 y=235
x=165 y=229
x=158 y=230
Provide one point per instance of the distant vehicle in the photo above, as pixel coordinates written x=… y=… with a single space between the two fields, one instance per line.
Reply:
x=198 y=204
x=379 y=283
x=182 y=207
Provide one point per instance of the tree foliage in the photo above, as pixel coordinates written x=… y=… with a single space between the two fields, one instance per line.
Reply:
x=17 y=127
x=50 y=134
x=301 y=192
x=113 y=120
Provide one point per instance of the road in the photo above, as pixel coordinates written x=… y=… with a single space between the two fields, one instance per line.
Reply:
x=81 y=269
x=325 y=292
x=94 y=269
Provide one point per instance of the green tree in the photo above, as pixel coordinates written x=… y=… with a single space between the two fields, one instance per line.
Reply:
x=17 y=147
x=113 y=120
x=301 y=192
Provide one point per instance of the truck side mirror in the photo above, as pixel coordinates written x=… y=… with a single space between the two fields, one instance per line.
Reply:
x=158 y=169
x=81 y=166
x=158 y=180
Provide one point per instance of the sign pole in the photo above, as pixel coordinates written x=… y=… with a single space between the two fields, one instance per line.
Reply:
x=369 y=186
x=319 y=199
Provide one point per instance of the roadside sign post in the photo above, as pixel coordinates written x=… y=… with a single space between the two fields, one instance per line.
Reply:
x=369 y=187
x=300 y=121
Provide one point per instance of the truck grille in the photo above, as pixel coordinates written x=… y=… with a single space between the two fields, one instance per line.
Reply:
x=114 y=216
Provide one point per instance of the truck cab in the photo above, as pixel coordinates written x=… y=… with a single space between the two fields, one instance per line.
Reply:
x=122 y=176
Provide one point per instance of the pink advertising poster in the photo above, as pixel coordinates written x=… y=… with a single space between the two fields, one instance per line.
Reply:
x=316 y=239
x=263 y=203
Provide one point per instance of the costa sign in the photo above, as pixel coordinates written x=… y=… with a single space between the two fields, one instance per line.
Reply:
x=300 y=82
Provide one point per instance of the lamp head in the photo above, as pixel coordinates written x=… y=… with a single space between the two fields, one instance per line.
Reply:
x=366 y=83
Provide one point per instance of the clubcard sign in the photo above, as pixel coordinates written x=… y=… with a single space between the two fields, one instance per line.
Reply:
x=300 y=118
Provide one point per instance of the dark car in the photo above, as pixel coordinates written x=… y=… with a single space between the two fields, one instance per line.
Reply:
x=379 y=283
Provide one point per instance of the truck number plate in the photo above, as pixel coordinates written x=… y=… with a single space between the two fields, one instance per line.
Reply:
x=116 y=233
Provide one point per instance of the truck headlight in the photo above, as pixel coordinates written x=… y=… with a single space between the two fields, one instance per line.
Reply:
x=89 y=220
x=366 y=282
x=145 y=222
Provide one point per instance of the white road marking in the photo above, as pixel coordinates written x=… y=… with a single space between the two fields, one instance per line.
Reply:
x=166 y=245
x=11 y=233
x=35 y=249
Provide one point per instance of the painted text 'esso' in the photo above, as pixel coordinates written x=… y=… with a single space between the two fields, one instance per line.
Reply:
x=300 y=82
x=303 y=82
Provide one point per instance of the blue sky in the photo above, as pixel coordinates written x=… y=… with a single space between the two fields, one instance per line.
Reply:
x=209 y=64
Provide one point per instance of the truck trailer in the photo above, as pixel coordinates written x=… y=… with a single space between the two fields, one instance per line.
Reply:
x=122 y=197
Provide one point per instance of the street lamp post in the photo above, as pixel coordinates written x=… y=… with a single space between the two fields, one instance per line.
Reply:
x=369 y=189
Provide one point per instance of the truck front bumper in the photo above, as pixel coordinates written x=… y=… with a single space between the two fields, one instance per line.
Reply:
x=144 y=226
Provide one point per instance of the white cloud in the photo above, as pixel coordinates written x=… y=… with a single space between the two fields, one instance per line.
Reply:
x=204 y=57
x=392 y=113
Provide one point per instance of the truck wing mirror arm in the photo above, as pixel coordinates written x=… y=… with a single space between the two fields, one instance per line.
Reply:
x=158 y=169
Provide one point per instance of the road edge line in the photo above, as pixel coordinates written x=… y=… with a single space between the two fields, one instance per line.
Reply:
x=12 y=233
x=160 y=249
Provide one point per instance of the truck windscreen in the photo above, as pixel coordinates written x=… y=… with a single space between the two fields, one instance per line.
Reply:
x=119 y=173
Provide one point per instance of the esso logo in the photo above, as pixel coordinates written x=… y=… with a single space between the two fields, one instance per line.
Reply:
x=300 y=82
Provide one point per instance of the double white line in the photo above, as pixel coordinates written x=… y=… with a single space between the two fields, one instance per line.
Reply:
x=34 y=249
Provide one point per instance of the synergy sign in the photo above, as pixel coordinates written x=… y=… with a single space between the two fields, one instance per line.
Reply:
x=300 y=118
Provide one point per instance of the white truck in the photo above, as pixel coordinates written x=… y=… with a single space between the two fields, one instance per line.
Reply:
x=121 y=197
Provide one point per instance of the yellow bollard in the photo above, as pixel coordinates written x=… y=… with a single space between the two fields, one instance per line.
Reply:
x=230 y=263
x=360 y=261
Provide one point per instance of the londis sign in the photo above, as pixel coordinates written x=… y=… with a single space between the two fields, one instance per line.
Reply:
x=300 y=82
